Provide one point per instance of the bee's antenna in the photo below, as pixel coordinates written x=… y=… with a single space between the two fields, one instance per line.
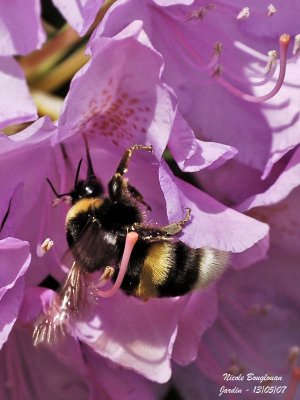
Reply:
x=77 y=173
x=90 y=170
x=6 y=215
x=55 y=192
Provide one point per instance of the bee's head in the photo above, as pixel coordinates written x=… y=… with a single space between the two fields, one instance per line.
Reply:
x=90 y=187
x=87 y=188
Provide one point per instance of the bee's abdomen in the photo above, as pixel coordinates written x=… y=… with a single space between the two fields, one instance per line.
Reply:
x=174 y=269
x=183 y=270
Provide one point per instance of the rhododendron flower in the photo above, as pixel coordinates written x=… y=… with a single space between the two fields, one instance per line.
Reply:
x=80 y=14
x=14 y=92
x=20 y=33
x=14 y=261
x=257 y=329
x=64 y=371
x=20 y=27
x=116 y=107
x=215 y=59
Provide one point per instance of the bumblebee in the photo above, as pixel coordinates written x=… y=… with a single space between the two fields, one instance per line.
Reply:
x=160 y=265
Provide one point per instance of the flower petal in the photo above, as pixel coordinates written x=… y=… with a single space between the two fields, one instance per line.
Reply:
x=124 y=330
x=123 y=108
x=192 y=154
x=20 y=27
x=14 y=262
x=80 y=14
x=15 y=93
x=198 y=315
x=212 y=223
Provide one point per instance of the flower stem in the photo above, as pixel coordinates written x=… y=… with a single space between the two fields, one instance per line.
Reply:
x=40 y=61
x=47 y=104
x=62 y=73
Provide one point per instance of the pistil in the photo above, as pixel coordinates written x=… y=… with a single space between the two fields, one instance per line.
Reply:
x=284 y=42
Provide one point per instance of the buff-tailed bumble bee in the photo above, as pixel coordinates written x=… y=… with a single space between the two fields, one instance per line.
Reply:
x=97 y=226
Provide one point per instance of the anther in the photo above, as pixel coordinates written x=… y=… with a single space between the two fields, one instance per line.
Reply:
x=67 y=199
x=213 y=63
x=293 y=355
x=244 y=13
x=235 y=368
x=200 y=12
x=271 y=10
x=217 y=71
x=296 y=48
x=272 y=61
x=56 y=202
x=44 y=247
x=284 y=42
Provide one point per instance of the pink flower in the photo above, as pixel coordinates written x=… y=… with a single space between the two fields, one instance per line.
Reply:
x=80 y=14
x=257 y=329
x=20 y=27
x=20 y=33
x=116 y=107
x=14 y=261
x=210 y=87
x=65 y=371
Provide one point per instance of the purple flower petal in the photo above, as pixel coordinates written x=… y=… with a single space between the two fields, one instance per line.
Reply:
x=244 y=339
x=14 y=261
x=26 y=188
x=212 y=223
x=9 y=308
x=198 y=315
x=15 y=93
x=115 y=381
x=123 y=108
x=191 y=384
x=281 y=188
x=29 y=372
x=263 y=26
x=136 y=342
x=166 y=3
x=192 y=154
x=80 y=14
x=20 y=27
x=262 y=133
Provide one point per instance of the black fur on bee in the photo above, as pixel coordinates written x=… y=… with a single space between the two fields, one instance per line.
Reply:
x=160 y=265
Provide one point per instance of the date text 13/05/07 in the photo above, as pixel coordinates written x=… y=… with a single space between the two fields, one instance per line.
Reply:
x=255 y=390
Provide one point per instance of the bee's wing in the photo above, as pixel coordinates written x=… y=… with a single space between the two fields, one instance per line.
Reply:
x=53 y=325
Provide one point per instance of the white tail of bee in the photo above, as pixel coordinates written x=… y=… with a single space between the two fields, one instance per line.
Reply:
x=211 y=265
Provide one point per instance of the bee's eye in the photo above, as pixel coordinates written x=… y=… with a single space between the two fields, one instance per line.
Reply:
x=89 y=190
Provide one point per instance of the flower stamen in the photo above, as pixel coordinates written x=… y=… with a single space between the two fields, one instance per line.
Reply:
x=269 y=71
x=200 y=13
x=271 y=9
x=296 y=48
x=294 y=382
x=284 y=42
x=44 y=247
x=243 y=14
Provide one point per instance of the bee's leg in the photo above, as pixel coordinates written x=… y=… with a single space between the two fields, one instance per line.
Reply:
x=153 y=234
x=119 y=188
x=176 y=227
x=137 y=195
x=163 y=232
x=123 y=165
